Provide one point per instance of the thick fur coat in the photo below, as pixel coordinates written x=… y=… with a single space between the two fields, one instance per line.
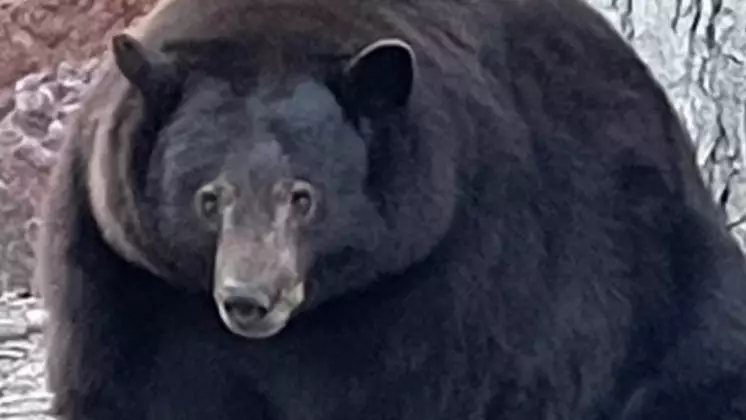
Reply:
x=479 y=209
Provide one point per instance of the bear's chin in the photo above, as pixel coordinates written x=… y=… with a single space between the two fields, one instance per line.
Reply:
x=273 y=322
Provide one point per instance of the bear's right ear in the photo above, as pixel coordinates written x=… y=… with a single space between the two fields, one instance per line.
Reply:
x=150 y=71
x=381 y=75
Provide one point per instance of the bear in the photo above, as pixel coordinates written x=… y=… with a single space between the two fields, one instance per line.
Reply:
x=401 y=209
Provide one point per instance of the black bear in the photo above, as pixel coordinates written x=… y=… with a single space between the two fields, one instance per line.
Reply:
x=378 y=210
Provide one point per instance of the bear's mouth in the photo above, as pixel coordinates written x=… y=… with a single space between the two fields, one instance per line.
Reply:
x=257 y=320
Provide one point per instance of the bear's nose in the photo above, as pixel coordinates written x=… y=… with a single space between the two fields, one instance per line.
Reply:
x=245 y=309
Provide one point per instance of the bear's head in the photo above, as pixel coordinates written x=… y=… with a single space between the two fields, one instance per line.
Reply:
x=287 y=193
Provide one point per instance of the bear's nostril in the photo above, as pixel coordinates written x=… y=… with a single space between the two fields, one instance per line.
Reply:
x=245 y=309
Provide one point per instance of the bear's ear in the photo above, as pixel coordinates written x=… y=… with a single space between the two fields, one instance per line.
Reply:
x=150 y=71
x=381 y=76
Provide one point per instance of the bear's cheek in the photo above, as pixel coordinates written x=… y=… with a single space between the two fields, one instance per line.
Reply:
x=350 y=221
x=191 y=249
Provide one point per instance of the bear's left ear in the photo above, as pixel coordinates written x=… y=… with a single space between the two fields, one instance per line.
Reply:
x=381 y=76
x=152 y=72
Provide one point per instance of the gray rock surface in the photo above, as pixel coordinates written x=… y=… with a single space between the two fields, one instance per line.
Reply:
x=23 y=394
x=697 y=49
x=32 y=119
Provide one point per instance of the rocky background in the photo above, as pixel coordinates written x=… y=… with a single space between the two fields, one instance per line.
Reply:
x=48 y=53
x=697 y=49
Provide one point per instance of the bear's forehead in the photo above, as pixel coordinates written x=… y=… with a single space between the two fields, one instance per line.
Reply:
x=263 y=156
x=296 y=101
x=296 y=112
x=282 y=126
x=255 y=169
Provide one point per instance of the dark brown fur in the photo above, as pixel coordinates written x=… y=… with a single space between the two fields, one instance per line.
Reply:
x=554 y=254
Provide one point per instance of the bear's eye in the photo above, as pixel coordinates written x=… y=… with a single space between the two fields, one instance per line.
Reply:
x=302 y=198
x=207 y=203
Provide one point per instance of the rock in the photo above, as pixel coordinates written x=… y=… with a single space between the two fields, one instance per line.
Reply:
x=55 y=136
x=38 y=34
x=7 y=102
x=9 y=137
x=12 y=329
x=32 y=81
x=31 y=134
x=36 y=319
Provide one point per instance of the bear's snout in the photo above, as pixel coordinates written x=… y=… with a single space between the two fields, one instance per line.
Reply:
x=244 y=307
x=257 y=309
